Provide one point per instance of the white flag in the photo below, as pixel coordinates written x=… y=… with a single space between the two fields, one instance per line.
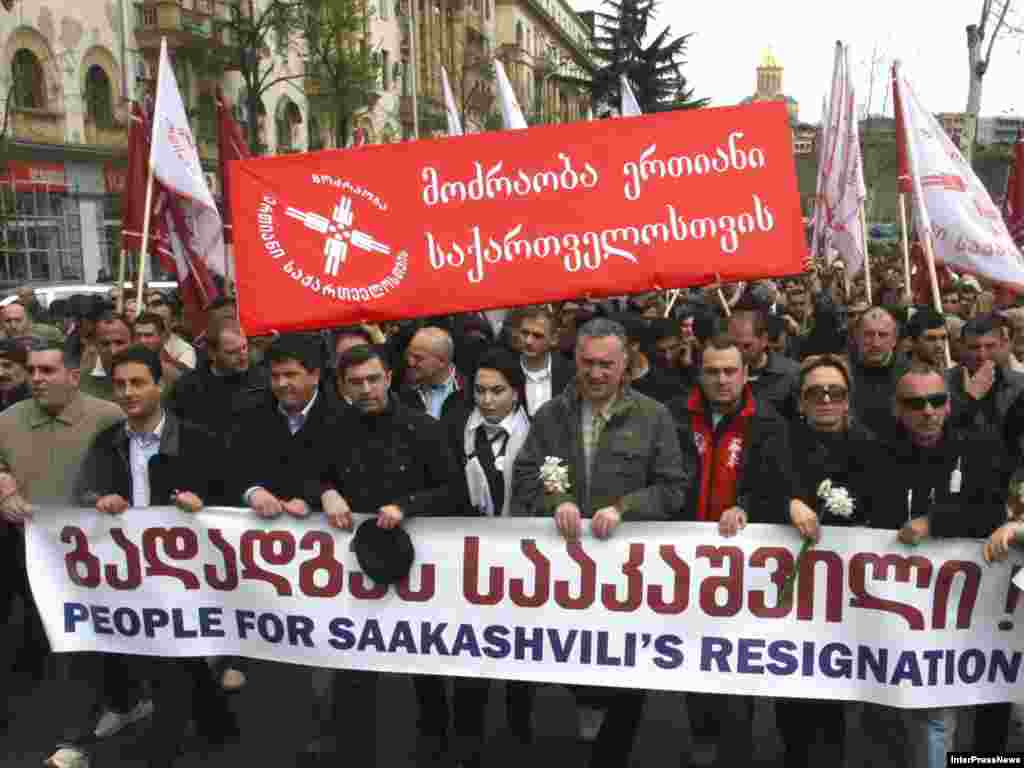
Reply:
x=629 y=106
x=511 y=115
x=454 y=124
x=174 y=162
x=819 y=240
x=966 y=228
x=842 y=187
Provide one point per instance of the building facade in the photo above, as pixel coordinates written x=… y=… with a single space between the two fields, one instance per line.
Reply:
x=71 y=68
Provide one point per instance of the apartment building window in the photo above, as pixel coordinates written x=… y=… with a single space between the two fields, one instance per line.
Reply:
x=97 y=96
x=28 y=82
x=42 y=241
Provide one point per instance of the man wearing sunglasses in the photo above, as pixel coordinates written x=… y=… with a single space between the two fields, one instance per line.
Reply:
x=941 y=482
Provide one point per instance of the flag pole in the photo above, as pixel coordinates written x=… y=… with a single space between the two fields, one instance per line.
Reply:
x=672 y=302
x=145 y=240
x=120 y=281
x=922 y=210
x=867 y=258
x=906 y=247
x=415 y=71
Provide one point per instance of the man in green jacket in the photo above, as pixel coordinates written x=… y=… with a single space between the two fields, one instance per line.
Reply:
x=618 y=458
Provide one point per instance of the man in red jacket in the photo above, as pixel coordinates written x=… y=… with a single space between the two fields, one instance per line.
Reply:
x=743 y=474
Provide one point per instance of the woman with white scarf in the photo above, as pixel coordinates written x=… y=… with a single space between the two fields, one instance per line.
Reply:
x=486 y=436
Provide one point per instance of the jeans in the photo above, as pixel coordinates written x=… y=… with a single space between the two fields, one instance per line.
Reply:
x=935 y=731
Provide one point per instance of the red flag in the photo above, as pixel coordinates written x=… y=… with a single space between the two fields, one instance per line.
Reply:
x=174 y=234
x=133 y=200
x=230 y=146
x=903 y=180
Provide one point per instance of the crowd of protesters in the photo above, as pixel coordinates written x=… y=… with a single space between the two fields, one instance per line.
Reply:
x=731 y=405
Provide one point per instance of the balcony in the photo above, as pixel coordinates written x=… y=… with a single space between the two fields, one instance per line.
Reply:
x=40 y=126
x=185 y=23
x=106 y=136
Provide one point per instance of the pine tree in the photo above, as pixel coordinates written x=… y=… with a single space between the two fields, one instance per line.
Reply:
x=654 y=70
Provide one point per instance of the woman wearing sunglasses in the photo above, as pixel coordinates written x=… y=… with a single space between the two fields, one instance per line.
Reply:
x=832 y=460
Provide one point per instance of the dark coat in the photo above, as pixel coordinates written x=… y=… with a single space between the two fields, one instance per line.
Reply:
x=190 y=458
x=658 y=385
x=637 y=462
x=16 y=395
x=399 y=457
x=977 y=510
x=218 y=402
x=766 y=475
x=848 y=459
x=266 y=454
x=991 y=410
x=872 y=394
x=777 y=384
x=411 y=398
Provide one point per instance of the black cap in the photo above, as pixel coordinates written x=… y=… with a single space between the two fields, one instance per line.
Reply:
x=385 y=555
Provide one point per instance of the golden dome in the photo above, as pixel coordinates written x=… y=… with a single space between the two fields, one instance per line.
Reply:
x=768 y=60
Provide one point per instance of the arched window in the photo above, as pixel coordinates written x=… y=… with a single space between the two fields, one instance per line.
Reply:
x=287 y=121
x=29 y=90
x=98 y=105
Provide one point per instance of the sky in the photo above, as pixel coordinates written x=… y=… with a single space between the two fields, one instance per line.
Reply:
x=731 y=36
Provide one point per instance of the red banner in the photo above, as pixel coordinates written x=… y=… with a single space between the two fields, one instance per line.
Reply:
x=49 y=175
x=519 y=217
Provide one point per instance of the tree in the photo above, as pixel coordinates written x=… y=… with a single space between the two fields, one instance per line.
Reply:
x=339 y=61
x=259 y=37
x=997 y=20
x=654 y=70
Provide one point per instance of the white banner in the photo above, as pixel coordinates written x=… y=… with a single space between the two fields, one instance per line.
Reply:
x=968 y=231
x=670 y=606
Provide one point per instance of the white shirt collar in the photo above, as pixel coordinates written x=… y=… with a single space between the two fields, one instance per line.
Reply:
x=541 y=375
x=158 y=430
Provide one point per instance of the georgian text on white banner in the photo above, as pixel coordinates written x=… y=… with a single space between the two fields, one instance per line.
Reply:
x=670 y=606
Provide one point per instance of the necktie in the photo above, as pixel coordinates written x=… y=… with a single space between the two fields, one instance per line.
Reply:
x=487 y=449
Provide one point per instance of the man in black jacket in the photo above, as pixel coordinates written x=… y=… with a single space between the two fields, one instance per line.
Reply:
x=772 y=377
x=982 y=391
x=283 y=445
x=150 y=459
x=223 y=387
x=13 y=373
x=943 y=482
x=394 y=462
x=547 y=370
x=875 y=369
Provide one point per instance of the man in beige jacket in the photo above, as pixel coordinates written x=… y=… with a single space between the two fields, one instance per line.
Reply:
x=43 y=442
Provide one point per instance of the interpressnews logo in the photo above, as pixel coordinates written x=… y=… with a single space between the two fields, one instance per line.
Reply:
x=988 y=758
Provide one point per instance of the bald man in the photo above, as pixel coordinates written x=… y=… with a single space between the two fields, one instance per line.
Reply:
x=430 y=375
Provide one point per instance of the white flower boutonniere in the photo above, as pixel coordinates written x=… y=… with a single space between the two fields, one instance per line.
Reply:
x=837 y=499
x=555 y=475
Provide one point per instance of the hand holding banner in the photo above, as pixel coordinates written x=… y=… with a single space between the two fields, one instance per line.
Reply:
x=519 y=217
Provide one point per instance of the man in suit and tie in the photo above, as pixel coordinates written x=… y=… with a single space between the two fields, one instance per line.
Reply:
x=547 y=369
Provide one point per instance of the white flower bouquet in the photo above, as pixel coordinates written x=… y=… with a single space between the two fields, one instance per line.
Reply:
x=555 y=475
x=837 y=499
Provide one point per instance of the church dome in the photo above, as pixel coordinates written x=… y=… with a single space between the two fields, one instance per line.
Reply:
x=768 y=60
